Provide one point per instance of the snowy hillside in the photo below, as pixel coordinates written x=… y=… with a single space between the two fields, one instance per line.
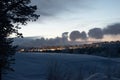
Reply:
x=48 y=66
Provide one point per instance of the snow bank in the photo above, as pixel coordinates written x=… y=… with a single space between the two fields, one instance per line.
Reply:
x=47 y=66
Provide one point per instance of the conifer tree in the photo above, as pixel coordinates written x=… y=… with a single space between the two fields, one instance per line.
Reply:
x=12 y=14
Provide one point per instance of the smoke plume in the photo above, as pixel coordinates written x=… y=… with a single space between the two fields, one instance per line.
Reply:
x=96 y=33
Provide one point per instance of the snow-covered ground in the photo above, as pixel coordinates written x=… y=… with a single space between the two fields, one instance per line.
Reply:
x=48 y=66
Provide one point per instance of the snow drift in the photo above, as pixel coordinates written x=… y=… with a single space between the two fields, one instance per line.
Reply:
x=47 y=66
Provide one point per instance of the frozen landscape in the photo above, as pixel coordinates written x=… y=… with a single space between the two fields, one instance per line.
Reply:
x=48 y=66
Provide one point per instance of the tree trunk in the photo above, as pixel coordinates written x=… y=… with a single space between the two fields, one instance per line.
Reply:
x=0 y=66
x=0 y=73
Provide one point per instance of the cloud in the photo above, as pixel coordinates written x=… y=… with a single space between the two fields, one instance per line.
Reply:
x=96 y=33
x=113 y=29
x=54 y=7
x=40 y=42
x=83 y=35
x=74 y=35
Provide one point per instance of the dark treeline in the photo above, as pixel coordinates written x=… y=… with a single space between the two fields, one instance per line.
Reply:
x=105 y=49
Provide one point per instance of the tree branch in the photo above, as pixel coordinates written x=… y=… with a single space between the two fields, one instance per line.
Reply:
x=13 y=6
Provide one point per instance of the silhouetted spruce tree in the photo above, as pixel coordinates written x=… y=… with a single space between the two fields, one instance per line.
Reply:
x=12 y=13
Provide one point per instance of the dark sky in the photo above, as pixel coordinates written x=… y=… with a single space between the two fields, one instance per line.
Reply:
x=58 y=16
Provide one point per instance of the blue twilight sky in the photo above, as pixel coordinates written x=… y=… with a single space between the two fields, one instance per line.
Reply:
x=58 y=16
